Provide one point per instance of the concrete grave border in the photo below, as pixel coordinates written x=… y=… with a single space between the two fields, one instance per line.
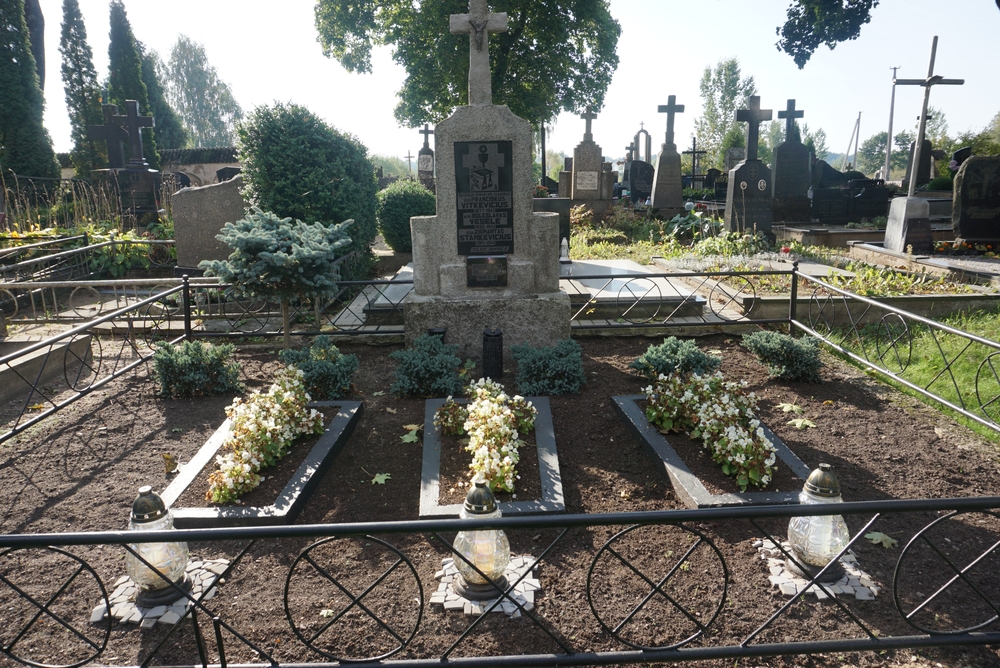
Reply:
x=290 y=500
x=689 y=489
x=552 y=500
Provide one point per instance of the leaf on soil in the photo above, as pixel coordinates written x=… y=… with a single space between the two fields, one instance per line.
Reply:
x=410 y=436
x=378 y=394
x=36 y=407
x=327 y=613
x=169 y=462
x=390 y=410
x=714 y=351
x=801 y=423
x=879 y=538
x=176 y=430
x=790 y=408
x=413 y=427
x=828 y=402
x=380 y=478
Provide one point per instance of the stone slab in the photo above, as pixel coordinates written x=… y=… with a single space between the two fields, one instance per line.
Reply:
x=199 y=214
x=748 y=199
x=976 y=210
x=909 y=226
x=667 y=188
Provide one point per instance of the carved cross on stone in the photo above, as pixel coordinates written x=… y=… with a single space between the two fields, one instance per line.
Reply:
x=790 y=113
x=479 y=23
x=426 y=133
x=112 y=133
x=753 y=117
x=670 y=108
x=588 y=116
x=134 y=123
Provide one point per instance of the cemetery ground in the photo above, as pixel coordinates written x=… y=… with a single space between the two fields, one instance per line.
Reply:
x=79 y=471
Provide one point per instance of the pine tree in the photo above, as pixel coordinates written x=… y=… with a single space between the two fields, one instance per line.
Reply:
x=170 y=133
x=25 y=145
x=83 y=92
x=125 y=76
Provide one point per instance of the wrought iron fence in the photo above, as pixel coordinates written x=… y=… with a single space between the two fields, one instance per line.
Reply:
x=649 y=587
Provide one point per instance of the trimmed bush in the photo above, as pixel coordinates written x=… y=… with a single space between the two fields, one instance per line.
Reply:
x=328 y=372
x=674 y=354
x=546 y=371
x=396 y=205
x=785 y=357
x=194 y=368
x=429 y=369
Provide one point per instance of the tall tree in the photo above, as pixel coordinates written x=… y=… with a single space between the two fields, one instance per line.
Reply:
x=206 y=103
x=170 y=132
x=815 y=141
x=83 y=92
x=723 y=91
x=871 y=154
x=25 y=145
x=814 y=22
x=125 y=75
x=556 y=55
x=35 y=21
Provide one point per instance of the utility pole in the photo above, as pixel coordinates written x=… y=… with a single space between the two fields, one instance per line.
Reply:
x=888 y=139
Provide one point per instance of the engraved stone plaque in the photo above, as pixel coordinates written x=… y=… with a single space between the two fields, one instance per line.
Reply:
x=486 y=271
x=484 y=197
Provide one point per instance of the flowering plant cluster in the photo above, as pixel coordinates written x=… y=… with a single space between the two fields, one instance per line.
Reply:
x=493 y=425
x=722 y=414
x=262 y=429
x=959 y=247
x=450 y=418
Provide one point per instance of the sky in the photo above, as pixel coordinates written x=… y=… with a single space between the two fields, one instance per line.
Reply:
x=269 y=55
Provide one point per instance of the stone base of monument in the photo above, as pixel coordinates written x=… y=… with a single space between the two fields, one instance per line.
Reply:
x=541 y=320
x=909 y=226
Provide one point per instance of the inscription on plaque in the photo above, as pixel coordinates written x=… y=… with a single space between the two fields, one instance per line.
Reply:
x=586 y=180
x=486 y=271
x=425 y=163
x=484 y=198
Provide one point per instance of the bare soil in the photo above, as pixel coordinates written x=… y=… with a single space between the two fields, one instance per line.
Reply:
x=80 y=470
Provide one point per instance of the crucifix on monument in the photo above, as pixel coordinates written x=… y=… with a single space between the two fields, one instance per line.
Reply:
x=426 y=132
x=134 y=123
x=113 y=135
x=479 y=23
x=753 y=118
x=694 y=153
x=670 y=108
x=931 y=80
x=790 y=113
x=589 y=116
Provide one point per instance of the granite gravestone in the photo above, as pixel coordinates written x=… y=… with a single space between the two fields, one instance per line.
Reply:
x=909 y=226
x=566 y=177
x=485 y=260
x=587 y=160
x=748 y=197
x=137 y=186
x=629 y=150
x=199 y=214
x=667 y=187
x=976 y=206
x=734 y=156
x=791 y=172
x=112 y=133
x=640 y=178
x=425 y=160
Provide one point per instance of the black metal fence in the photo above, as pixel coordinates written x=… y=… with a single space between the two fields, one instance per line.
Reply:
x=629 y=588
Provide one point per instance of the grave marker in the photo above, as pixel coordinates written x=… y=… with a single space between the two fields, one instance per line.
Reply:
x=976 y=207
x=748 y=196
x=587 y=161
x=667 y=186
x=425 y=160
x=112 y=133
x=791 y=172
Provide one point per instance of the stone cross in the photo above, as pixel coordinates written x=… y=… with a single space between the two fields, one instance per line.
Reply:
x=694 y=153
x=670 y=109
x=134 y=123
x=753 y=117
x=629 y=148
x=931 y=80
x=790 y=113
x=589 y=116
x=479 y=23
x=112 y=133
x=426 y=133
x=409 y=163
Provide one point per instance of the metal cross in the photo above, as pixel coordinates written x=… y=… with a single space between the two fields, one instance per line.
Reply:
x=670 y=109
x=588 y=116
x=790 y=113
x=629 y=148
x=479 y=23
x=112 y=133
x=931 y=80
x=753 y=117
x=409 y=168
x=134 y=123
x=694 y=153
x=426 y=133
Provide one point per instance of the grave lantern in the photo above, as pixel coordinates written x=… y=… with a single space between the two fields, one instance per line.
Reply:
x=149 y=513
x=488 y=549
x=492 y=353
x=816 y=540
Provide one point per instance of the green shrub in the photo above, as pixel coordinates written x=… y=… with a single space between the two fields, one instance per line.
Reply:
x=674 y=355
x=396 y=205
x=939 y=183
x=544 y=371
x=297 y=166
x=328 y=371
x=786 y=358
x=429 y=369
x=194 y=368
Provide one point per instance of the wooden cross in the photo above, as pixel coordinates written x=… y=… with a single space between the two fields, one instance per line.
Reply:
x=753 y=117
x=112 y=133
x=694 y=153
x=670 y=108
x=426 y=133
x=931 y=80
x=790 y=113
x=479 y=23
x=409 y=168
x=134 y=123
x=588 y=116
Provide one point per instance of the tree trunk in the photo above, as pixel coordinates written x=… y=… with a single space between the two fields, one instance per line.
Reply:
x=286 y=322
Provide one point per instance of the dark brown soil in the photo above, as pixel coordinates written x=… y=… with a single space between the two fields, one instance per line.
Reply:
x=455 y=473
x=80 y=470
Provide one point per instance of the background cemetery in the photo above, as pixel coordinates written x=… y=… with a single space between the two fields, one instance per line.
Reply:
x=173 y=287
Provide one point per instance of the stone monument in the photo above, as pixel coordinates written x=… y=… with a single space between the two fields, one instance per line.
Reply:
x=697 y=180
x=792 y=172
x=425 y=161
x=734 y=156
x=976 y=206
x=667 y=187
x=112 y=133
x=485 y=260
x=587 y=160
x=199 y=214
x=136 y=184
x=566 y=177
x=748 y=196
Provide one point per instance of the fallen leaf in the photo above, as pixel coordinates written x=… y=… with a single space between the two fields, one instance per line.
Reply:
x=390 y=410
x=327 y=613
x=36 y=407
x=380 y=478
x=879 y=538
x=801 y=423
x=377 y=394
x=169 y=462
x=176 y=430
x=714 y=351
x=790 y=408
x=409 y=437
x=828 y=402
x=413 y=427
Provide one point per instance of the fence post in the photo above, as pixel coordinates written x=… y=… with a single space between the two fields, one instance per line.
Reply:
x=793 y=300
x=186 y=302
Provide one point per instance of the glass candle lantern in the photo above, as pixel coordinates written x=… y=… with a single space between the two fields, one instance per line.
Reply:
x=816 y=540
x=169 y=559
x=488 y=549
